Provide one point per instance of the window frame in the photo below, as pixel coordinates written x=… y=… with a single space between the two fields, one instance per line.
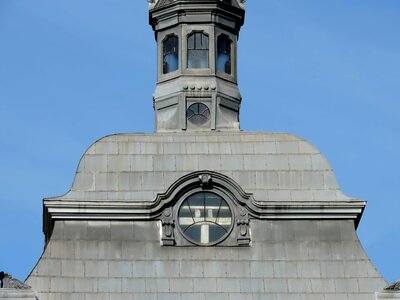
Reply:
x=217 y=52
x=163 y=55
x=193 y=33
x=221 y=194
x=206 y=118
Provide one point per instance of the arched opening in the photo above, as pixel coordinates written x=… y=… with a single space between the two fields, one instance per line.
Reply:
x=170 y=54
x=224 y=62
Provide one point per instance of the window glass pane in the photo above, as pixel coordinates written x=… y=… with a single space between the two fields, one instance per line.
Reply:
x=197 y=38
x=185 y=216
x=197 y=59
x=205 y=218
x=193 y=233
x=223 y=63
x=171 y=60
x=197 y=51
x=224 y=54
x=224 y=216
x=170 y=54
x=196 y=203
x=213 y=206
x=205 y=42
x=198 y=113
x=215 y=232
x=191 y=42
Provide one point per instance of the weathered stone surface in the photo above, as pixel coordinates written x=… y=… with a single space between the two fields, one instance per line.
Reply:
x=122 y=258
x=14 y=294
x=8 y=282
x=12 y=289
x=135 y=167
x=388 y=295
x=308 y=259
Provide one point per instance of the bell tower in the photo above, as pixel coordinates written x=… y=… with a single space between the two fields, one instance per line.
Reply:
x=197 y=64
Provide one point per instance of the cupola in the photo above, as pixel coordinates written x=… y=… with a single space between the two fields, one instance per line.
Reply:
x=197 y=64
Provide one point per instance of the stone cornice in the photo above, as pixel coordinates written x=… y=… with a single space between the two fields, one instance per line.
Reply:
x=204 y=10
x=127 y=210
x=57 y=209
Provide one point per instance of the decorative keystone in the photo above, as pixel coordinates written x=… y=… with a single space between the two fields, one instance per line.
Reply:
x=205 y=181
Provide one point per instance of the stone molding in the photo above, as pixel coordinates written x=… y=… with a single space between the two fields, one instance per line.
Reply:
x=145 y=210
x=6 y=293
x=126 y=210
x=388 y=295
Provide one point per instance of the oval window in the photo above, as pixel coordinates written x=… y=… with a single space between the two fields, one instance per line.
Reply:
x=205 y=218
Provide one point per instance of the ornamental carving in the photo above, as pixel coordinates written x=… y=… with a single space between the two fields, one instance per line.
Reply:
x=205 y=209
x=168 y=225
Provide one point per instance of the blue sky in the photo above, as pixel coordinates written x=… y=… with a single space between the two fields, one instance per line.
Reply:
x=74 y=71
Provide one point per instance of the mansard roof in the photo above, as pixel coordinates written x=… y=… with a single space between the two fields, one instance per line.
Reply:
x=286 y=167
x=285 y=175
x=104 y=236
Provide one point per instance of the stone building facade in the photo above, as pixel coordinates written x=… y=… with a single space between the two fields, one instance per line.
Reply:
x=199 y=209
x=116 y=234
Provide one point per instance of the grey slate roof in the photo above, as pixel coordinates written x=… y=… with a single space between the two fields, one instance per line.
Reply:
x=272 y=166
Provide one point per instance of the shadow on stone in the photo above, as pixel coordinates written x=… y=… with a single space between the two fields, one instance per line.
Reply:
x=1 y=279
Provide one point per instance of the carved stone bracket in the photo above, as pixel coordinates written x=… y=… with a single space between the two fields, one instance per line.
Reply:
x=243 y=223
x=168 y=226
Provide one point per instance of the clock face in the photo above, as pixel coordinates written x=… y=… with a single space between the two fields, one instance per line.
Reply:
x=205 y=218
x=198 y=113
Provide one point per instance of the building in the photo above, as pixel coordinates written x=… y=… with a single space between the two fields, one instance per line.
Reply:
x=199 y=209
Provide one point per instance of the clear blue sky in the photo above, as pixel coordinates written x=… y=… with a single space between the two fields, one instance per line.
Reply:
x=74 y=71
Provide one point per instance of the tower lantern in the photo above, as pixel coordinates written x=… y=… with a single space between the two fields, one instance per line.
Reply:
x=197 y=64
